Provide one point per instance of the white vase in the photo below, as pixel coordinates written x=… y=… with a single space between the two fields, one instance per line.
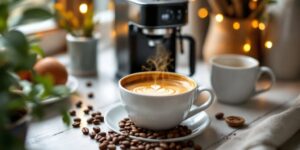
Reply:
x=284 y=31
x=83 y=55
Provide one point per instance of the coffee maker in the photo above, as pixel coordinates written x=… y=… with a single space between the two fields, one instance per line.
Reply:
x=154 y=36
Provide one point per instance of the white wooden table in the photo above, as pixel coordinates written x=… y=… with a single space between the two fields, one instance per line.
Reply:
x=51 y=134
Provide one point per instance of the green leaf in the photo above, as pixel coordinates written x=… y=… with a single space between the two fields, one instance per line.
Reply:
x=18 y=41
x=61 y=91
x=44 y=84
x=3 y=17
x=65 y=117
x=34 y=14
x=37 y=49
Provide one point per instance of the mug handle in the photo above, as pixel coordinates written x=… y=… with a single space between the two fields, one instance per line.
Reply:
x=268 y=71
x=203 y=106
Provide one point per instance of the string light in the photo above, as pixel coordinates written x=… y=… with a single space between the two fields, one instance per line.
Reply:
x=83 y=8
x=236 y=25
x=268 y=44
x=219 y=17
x=261 y=26
x=202 y=13
x=247 y=47
x=254 y=24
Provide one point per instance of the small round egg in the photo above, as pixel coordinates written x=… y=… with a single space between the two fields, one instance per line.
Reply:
x=52 y=67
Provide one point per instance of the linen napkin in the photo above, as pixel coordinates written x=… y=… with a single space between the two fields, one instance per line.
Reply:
x=270 y=134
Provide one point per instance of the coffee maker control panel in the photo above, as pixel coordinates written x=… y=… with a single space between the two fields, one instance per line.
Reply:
x=167 y=14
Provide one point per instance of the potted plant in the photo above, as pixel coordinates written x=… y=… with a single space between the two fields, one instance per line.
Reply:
x=17 y=58
x=77 y=19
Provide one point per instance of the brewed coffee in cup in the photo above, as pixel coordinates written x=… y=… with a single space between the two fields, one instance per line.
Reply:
x=234 y=77
x=160 y=100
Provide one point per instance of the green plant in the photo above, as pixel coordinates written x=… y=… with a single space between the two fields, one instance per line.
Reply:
x=18 y=54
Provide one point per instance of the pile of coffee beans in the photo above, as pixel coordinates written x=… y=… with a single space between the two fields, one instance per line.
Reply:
x=127 y=127
x=111 y=140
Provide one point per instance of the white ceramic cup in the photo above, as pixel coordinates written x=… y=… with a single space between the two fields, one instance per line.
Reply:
x=161 y=112
x=234 y=78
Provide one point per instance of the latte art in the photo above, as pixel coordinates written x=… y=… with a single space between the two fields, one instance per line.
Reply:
x=156 y=90
x=160 y=87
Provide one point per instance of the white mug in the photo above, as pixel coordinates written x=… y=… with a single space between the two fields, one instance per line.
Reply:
x=234 y=78
x=161 y=112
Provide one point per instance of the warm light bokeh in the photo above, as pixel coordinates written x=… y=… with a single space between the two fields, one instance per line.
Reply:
x=219 y=17
x=268 y=44
x=247 y=47
x=202 y=13
x=83 y=8
x=261 y=26
x=236 y=25
x=254 y=24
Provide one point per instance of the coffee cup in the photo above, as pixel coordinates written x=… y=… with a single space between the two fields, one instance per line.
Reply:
x=234 y=78
x=160 y=100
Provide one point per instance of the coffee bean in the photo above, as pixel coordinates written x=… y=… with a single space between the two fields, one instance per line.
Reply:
x=90 y=95
x=197 y=147
x=123 y=147
x=92 y=135
x=96 y=129
x=78 y=104
x=89 y=84
x=97 y=137
x=90 y=120
x=219 y=115
x=235 y=121
x=163 y=145
x=72 y=113
x=86 y=111
x=77 y=120
x=103 y=146
x=90 y=107
x=85 y=131
x=158 y=148
x=133 y=148
x=111 y=147
x=103 y=134
x=96 y=121
x=76 y=124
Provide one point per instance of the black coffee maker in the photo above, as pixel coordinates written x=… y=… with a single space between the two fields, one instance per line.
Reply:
x=154 y=31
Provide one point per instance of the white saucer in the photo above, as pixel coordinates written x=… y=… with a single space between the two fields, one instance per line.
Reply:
x=197 y=124
x=72 y=84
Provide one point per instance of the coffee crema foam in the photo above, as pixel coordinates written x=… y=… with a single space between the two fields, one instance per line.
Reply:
x=160 y=87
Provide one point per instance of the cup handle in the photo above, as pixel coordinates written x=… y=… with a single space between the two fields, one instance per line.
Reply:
x=203 y=106
x=268 y=71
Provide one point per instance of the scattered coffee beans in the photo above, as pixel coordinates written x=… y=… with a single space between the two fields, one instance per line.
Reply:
x=79 y=104
x=96 y=129
x=90 y=95
x=90 y=107
x=89 y=84
x=85 y=131
x=90 y=120
x=92 y=135
x=76 y=124
x=219 y=115
x=235 y=121
x=96 y=121
x=72 y=113
x=77 y=120
x=86 y=111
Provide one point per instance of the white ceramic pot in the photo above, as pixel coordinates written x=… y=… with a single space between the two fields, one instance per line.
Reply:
x=83 y=55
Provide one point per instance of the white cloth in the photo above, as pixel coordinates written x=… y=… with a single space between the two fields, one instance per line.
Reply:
x=270 y=134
